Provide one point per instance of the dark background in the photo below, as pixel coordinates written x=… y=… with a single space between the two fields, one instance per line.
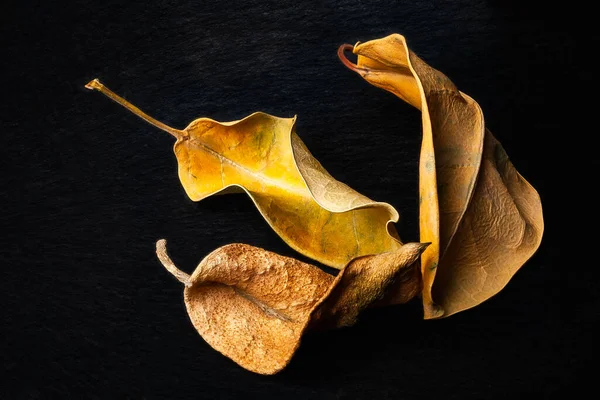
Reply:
x=87 y=189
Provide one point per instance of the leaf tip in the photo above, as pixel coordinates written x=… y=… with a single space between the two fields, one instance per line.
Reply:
x=417 y=247
x=433 y=311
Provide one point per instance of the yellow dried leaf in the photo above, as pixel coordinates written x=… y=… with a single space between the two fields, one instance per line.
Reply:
x=253 y=305
x=262 y=155
x=484 y=219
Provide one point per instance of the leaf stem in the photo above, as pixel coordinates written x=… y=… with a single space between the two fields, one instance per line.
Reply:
x=161 y=252
x=348 y=47
x=97 y=85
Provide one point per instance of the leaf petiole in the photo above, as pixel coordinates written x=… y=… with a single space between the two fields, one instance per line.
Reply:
x=95 y=84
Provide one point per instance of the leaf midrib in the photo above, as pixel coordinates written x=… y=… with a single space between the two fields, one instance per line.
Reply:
x=302 y=191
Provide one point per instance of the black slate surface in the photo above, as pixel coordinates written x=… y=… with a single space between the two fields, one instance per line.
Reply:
x=87 y=189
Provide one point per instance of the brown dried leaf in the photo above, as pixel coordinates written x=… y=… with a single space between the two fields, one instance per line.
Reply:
x=484 y=219
x=366 y=280
x=253 y=305
x=263 y=156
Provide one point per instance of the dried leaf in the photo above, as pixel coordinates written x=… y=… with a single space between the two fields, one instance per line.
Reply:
x=316 y=215
x=253 y=305
x=367 y=281
x=484 y=219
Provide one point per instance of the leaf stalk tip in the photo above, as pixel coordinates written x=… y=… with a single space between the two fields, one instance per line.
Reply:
x=349 y=64
x=94 y=84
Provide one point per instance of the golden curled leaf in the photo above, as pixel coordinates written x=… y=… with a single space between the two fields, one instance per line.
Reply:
x=263 y=156
x=484 y=220
x=253 y=305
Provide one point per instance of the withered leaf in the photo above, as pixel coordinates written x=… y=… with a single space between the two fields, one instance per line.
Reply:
x=484 y=220
x=366 y=281
x=263 y=156
x=253 y=305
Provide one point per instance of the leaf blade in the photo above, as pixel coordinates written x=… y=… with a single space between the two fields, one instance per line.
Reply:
x=303 y=204
x=253 y=306
x=453 y=180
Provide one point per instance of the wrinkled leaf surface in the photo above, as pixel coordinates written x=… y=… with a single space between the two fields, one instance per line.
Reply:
x=484 y=220
x=253 y=305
